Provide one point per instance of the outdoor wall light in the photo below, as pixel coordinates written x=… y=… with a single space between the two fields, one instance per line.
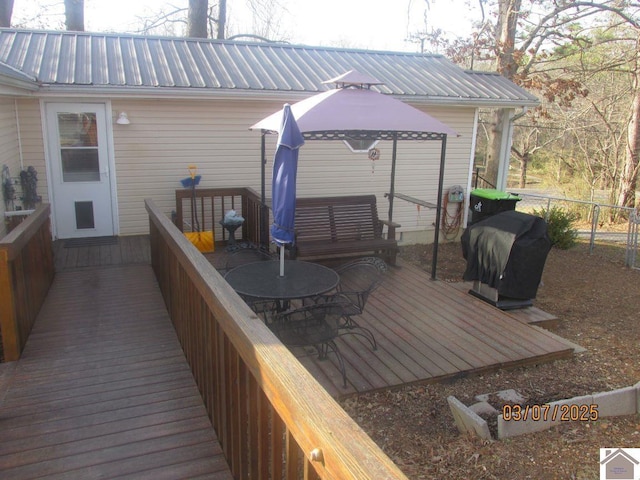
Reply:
x=123 y=119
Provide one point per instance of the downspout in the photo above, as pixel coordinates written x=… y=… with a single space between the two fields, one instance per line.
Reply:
x=20 y=153
x=474 y=137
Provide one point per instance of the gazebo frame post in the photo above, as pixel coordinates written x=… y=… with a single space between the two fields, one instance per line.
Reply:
x=264 y=210
x=392 y=188
x=436 y=234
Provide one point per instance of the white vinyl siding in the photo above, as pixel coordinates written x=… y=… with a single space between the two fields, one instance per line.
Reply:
x=32 y=143
x=165 y=136
x=9 y=148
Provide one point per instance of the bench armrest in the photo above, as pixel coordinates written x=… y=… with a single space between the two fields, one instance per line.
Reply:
x=392 y=228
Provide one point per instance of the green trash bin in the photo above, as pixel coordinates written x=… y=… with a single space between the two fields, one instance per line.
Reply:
x=485 y=202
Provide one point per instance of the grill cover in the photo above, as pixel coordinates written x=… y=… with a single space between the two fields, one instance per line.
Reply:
x=507 y=251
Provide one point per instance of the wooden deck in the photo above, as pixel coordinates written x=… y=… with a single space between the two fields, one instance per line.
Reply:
x=427 y=331
x=103 y=389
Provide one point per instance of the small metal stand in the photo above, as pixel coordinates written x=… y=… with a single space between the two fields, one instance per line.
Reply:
x=231 y=229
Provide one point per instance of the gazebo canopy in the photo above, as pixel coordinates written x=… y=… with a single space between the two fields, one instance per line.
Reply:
x=353 y=110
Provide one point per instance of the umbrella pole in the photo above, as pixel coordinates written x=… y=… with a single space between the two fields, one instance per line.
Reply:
x=282 y=260
x=436 y=235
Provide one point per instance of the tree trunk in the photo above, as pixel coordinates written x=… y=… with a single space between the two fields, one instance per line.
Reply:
x=524 y=163
x=222 y=19
x=74 y=15
x=6 y=10
x=508 y=11
x=629 y=176
x=494 y=134
x=197 y=18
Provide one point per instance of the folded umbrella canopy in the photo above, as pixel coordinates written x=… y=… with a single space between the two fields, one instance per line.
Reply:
x=283 y=187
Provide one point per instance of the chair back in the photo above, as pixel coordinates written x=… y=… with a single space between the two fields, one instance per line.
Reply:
x=359 y=278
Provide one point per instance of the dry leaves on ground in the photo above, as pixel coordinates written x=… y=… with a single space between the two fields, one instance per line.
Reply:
x=595 y=298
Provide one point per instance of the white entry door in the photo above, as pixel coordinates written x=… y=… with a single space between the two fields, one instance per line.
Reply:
x=79 y=163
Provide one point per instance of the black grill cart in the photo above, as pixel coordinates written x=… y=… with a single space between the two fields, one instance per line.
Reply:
x=505 y=256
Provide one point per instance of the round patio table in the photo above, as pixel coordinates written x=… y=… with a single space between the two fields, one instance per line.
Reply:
x=300 y=280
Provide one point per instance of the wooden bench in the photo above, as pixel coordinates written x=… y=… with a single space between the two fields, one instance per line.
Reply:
x=342 y=226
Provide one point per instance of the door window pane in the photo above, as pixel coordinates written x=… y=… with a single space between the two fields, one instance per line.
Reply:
x=80 y=165
x=78 y=129
x=79 y=147
x=84 y=215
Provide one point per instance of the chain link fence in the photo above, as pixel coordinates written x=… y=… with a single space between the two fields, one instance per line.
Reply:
x=598 y=222
x=632 y=243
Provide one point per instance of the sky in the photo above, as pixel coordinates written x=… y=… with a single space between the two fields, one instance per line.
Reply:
x=371 y=24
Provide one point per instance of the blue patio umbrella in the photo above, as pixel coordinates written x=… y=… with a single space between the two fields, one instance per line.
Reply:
x=283 y=187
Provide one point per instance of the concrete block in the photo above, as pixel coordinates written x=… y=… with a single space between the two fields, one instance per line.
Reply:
x=483 y=408
x=623 y=401
x=561 y=408
x=513 y=428
x=509 y=396
x=540 y=417
x=468 y=421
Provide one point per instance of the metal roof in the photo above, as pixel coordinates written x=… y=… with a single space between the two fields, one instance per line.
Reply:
x=124 y=61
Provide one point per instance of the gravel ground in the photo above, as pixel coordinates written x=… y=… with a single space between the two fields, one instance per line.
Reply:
x=595 y=298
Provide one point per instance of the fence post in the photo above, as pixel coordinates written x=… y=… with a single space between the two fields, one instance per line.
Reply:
x=632 y=240
x=594 y=227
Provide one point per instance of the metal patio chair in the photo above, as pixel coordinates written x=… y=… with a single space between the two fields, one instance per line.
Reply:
x=358 y=279
x=315 y=326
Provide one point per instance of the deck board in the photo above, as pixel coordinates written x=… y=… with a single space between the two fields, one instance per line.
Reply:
x=103 y=388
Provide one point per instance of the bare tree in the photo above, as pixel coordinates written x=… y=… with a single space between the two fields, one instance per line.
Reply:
x=222 y=19
x=74 y=15
x=629 y=177
x=6 y=10
x=197 y=18
x=518 y=44
x=267 y=18
x=526 y=145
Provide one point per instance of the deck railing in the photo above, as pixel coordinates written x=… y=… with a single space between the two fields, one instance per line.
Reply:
x=210 y=206
x=272 y=418
x=26 y=273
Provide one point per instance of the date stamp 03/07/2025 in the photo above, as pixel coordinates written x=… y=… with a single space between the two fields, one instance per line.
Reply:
x=550 y=412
